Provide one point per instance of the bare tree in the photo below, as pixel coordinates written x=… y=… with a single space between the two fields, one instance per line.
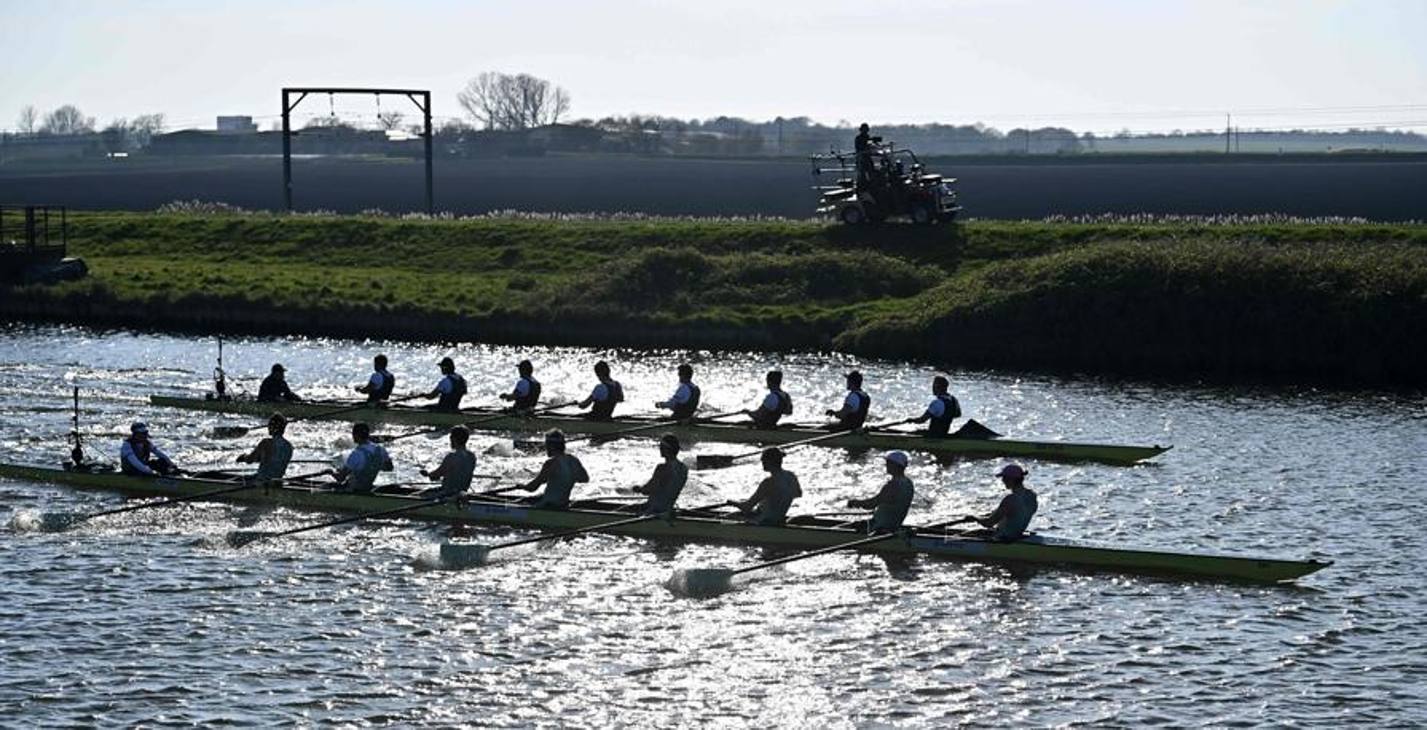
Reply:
x=29 y=118
x=67 y=119
x=144 y=127
x=390 y=120
x=518 y=101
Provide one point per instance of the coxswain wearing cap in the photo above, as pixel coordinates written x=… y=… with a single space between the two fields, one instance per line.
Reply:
x=272 y=454
x=380 y=385
x=668 y=481
x=367 y=460
x=456 y=468
x=941 y=411
x=853 y=413
x=1008 y=522
x=451 y=388
x=607 y=394
x=685 y=401
x=775 y=494
x=138 y=456
x=527 y=389
x=274 y=388
x=890 y=505
x=560 y=473
x=775 y=405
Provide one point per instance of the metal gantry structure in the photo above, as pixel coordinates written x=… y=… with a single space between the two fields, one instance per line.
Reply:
x=420 y=97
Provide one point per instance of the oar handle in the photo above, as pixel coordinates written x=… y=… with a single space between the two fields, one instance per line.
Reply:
x=357 y=518
x=358 y=407
x=477 y=422
x=591 y=528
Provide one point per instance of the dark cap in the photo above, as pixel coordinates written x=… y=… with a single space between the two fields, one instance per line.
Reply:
x=447 y=362
x=278 y=368
x=669 y=441
x=524 y=365
x=855 y=376
x=773 y=455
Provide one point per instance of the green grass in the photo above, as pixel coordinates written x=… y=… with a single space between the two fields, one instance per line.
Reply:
x=1327 y=300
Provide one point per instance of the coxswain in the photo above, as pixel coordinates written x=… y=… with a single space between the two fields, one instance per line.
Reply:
x=685 y=401
x=138 y=456
x=274 y=388
x=272 y=454
x=560 y=473
x=527 y=389
x=456 y=468
x=775 y=405
x=941 y=411
x=607 y=394
x=1008 y=522
x=891 y=503
x=380 y=385
x=367 y=460
x=450 y=390
x=668 y=481
x=853 y=413
x=775 y=494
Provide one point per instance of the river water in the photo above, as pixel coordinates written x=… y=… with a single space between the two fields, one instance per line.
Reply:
x=148 y=617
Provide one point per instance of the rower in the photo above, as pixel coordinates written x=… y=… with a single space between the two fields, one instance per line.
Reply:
x=138 y=456
x=368 y=459
x=770 y=502
x=560 y=473
x=380 y=385
x=1008 y=522
x=890 y=505
x=450 y=390
x=775 y=405
x=668 y=480
x=274 y=388
x=272 y=454
x=941 y=411
x=607 y=394
x=527 y=390
x=685 y=401
x=854 y=407
x=456 y=468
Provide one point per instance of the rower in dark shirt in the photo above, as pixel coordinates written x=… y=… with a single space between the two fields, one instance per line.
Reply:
x=853 y=413
x=274 y=388
x=382 y=382
x=607 y=394
x=775 y=405
x=941 y=411
x=526 y=393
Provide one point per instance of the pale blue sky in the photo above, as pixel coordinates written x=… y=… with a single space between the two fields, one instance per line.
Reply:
x=1098 y=65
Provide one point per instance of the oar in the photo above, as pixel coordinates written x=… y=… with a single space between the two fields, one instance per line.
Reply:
x=470 y=424
x=461 y=555
x=237 y=431
x=56 y=521
x=664 y=423
x=240 y=538
x=721 y=461
x=706 y=582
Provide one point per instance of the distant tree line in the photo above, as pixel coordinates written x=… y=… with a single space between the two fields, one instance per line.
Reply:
x=119 y=135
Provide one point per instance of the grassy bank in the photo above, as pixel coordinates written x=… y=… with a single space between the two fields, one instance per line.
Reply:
x=1331 y=301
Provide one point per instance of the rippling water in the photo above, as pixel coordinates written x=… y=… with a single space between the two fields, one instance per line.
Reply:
x=144 y=617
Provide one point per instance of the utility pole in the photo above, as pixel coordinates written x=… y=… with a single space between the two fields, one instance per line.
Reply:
x=1228 y=133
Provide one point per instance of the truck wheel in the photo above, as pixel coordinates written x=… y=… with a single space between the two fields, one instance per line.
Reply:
x=852 y=215
x=922 y=215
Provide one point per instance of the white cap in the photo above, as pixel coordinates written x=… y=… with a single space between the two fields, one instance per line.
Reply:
x=897 y=457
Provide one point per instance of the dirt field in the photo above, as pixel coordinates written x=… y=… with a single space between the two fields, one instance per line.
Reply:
x=1385 y=189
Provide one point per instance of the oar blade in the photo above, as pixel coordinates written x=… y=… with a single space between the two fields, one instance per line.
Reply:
x=701 y=582
x=241 y=538
x=58 y=521
x=713 y=461
x=457 y=555
x=230 y=432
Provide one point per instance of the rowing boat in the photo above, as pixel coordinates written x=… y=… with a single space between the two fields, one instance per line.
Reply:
x=805 y=533
x=725 y=433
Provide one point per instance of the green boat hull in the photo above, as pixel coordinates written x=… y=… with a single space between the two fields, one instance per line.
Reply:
x=804 y=535
x=723 y=433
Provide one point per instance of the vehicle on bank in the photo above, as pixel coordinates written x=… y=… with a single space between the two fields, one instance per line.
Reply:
x=883 y=183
